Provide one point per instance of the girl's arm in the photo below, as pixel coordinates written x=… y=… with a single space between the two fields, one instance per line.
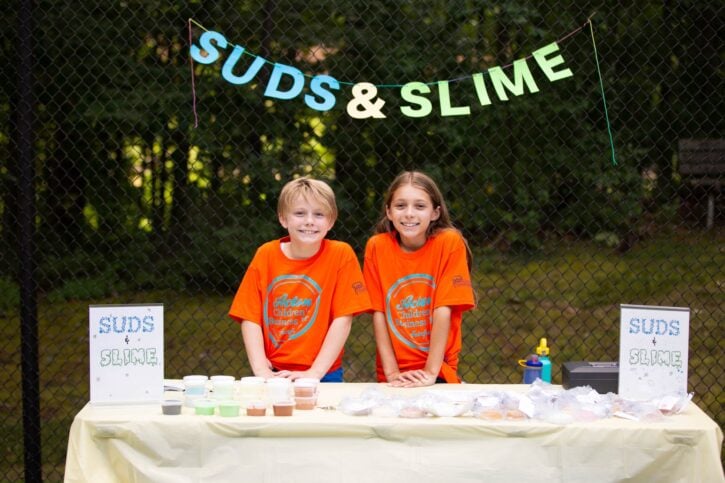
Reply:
x=441 y=326
x=385 y=347
x=331 y=347
x=254 y=345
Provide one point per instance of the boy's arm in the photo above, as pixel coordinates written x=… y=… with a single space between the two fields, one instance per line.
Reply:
x=331 y=347
x=385 y=347
x=254 y=345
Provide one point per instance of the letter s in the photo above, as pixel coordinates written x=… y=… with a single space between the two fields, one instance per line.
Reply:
x=328 y=98
x=104 y=325
x=206 y=44
x=634 y=325
x=148 y=323
x=408 y=94
x=674 y=327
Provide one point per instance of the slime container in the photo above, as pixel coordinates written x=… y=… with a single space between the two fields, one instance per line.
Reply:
x=256 y=408
x=229 y=408
x=278 y=389
x=283 y=408
x=222 y=387
x=195 y=385
x=204 y=407
x=171 y=407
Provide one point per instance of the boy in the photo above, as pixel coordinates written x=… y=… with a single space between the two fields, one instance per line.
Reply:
x=297 y=299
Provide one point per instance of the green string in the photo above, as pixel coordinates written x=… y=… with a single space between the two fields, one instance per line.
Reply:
x=604 y=99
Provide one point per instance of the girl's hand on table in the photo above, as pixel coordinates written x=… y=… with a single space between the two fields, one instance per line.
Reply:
x=416 y=378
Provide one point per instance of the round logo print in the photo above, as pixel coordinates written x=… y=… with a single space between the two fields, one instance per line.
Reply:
x=408 y=310
x=290 y=307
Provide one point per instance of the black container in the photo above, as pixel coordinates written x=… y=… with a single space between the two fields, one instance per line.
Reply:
x=603 y=377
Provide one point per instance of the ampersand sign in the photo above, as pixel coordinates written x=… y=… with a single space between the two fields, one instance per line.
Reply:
x=361 y=107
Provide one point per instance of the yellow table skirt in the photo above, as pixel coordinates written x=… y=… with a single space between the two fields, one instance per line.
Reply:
x=138 y=443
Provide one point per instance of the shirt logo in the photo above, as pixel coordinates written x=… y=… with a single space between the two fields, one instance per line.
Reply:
x=359 y=288
x=459 y=281
x=408 y=310
x=290 y=307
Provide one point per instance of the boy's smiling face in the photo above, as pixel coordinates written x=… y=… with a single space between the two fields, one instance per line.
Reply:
x=307 y=222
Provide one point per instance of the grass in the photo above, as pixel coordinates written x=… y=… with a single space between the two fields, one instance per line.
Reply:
x=570 y=293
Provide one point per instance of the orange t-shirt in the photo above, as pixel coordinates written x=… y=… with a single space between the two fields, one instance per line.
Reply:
x=295 y=301
x=408 y=286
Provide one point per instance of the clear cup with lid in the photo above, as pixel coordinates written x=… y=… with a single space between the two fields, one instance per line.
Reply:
x=305 y=387
x=251 y=388
x=279 y=389
x=222 y=387
x=195 y=385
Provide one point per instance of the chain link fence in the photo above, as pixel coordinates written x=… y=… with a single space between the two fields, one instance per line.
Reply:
x=150 y=185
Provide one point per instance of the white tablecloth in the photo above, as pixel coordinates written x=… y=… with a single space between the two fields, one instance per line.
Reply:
x=138 y=443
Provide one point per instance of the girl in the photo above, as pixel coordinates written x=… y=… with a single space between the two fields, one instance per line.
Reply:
x=417 y=271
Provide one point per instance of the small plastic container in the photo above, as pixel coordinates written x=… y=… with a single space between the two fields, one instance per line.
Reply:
x=256 y=408
x=189 y=400
x=251 y=388
x=205 y=407
x=278 y=389
x=171 y=407
x=229 y=408
x=412 y=412
x=195 y=385
x=283 y=408
x=222 y=387
x=491 y=414
x=305 y=403
x=305 y=387
x=449 y=408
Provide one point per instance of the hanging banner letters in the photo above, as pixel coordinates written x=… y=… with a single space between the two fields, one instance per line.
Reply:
x=493 y=84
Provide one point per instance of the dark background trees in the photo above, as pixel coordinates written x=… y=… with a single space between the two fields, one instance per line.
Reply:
x=132 y=198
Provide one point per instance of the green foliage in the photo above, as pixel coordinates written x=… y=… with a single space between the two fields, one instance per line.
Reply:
x=216 y=260
x=607 y=238
x=9 y=295
x=87 y=288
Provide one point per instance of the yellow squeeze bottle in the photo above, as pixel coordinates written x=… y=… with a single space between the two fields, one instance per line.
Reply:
x=543 y=352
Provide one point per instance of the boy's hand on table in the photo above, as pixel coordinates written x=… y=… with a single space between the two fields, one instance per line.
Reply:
x=300 y=374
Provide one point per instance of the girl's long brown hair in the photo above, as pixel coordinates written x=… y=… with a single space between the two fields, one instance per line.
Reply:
x=424 y=182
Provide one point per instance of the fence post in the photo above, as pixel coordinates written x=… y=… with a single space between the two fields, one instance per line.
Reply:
x=28 y=298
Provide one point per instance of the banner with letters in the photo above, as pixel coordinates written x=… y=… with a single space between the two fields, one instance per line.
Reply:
x=126 y=353
x=495 y=83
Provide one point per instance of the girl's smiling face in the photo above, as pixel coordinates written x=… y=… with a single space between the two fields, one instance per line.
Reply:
x=411 y=212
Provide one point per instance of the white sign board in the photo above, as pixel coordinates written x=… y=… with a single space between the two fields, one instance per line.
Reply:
x=126 y=353
x=653 y=351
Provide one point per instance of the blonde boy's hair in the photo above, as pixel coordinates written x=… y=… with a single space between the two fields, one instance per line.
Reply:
x=310 y=189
